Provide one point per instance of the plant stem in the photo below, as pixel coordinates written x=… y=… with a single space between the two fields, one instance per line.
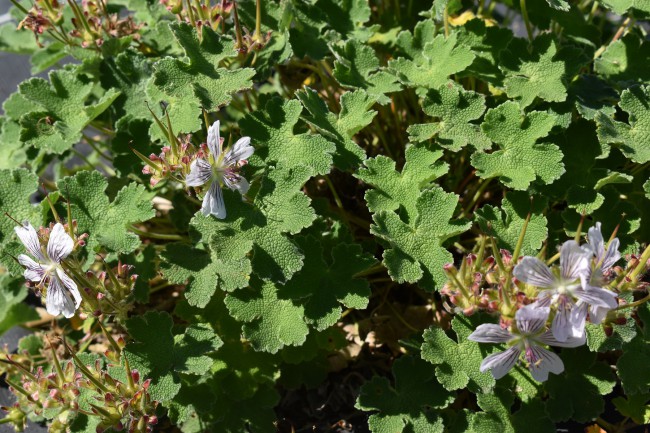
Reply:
x=524 y=13
x=642 y=264
x=162 y=236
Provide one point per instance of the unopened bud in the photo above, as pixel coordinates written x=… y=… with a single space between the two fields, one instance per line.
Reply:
x=135 y=375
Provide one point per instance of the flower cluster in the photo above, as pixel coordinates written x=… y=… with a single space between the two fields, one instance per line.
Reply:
x=568 y=295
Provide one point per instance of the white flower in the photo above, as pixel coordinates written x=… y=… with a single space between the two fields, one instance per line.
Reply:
x=529 y=336
x=595 y=278
x=565 y=289
x=220 y=168
x=62 y=293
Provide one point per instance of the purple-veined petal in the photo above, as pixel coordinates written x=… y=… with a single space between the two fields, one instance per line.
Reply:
x=69 y=284
x=578 y=318
x=59 y=300
x=214 y=140
x=598 y=314
x=28 y=236
x=213 y=203
x=33 y=271
x=545 y=362
x=533 y=271
x=611 y=255
x=489 y=333
x=597 y=296
x=531 y=319
x=548 y=339
x=200 y=173
x=574 y=260
x=236 y=182
x=544 y=299
x=501 y=363
x=241 y=150
x=595 y=239
x=561 y=326
x=60 y=244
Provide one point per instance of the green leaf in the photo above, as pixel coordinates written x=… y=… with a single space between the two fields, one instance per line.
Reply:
x=625 y=61
x=279 y=208
x=535 y=74
x=414 y=251
x=593 y=95
x=409 y=405
x=203 y=272
x=357 y=66
x=623 y=6
x=160 y=356
x=106 y=222
x=486 y=43
x=560 y=5
x=328 y=282
x=395 y=191
x=16 y=186
x=12 y=311
x=62 y=112
x=635 y=378
x=255 y=414
x=200 y=82
x=632 y=137
x=635 y=407
x=506 y=223
x=355 y=114
x=520 y=159
x=431 y=67
x=272 y=132
x=578 y=392
x=270 y=322
x=16 y=41
x=457 y=362
x=497 y=415
x=455 y=108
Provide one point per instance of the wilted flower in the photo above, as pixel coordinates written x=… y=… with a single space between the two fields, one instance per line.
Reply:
x=62 y=293
x=220 y=168
x=564 y=289
x=528 y=336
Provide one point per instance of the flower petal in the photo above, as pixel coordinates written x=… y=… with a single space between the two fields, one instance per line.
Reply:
x=612 y=255
x=27 y=235
x=213 y=203
x=200 y=173
x=490 y=333
x=561 y=326
x=597 y=296
x=531 y=319
x=595 y=240
x=70 y=285
x=33 y=271
x=574 y=260
x=578 y=318
x=236 y=183
x=533 y=271
x=501 y=363
x=60 y=244
x=58 y=299
x=214 y=140
x=547 y=362
x=241 y=150
x=548 y=339
x=598 y=314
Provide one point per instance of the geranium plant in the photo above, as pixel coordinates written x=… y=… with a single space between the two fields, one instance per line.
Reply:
x=327 y=215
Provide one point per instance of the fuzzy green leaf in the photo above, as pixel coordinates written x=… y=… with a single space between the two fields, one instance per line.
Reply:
x=634 y=138
x=159 y=355
x=625 y=61
x=497 y=415
x=622 y=6
x=62 y=112
x=272 y=131
x=455 y=108
x=635 y=378
x=106 y=221
x=431 y=68
x=200 y=82
x=535 y=74
x=410 y=404
x=270 y=322
x=506 y=224
x=520 y=159
x=457 y=362
x=395 y=191
x=486 y=42
x=414 y=251
x=278 y=208
x=340 y=129
x=329 y=282
x=357 y=66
